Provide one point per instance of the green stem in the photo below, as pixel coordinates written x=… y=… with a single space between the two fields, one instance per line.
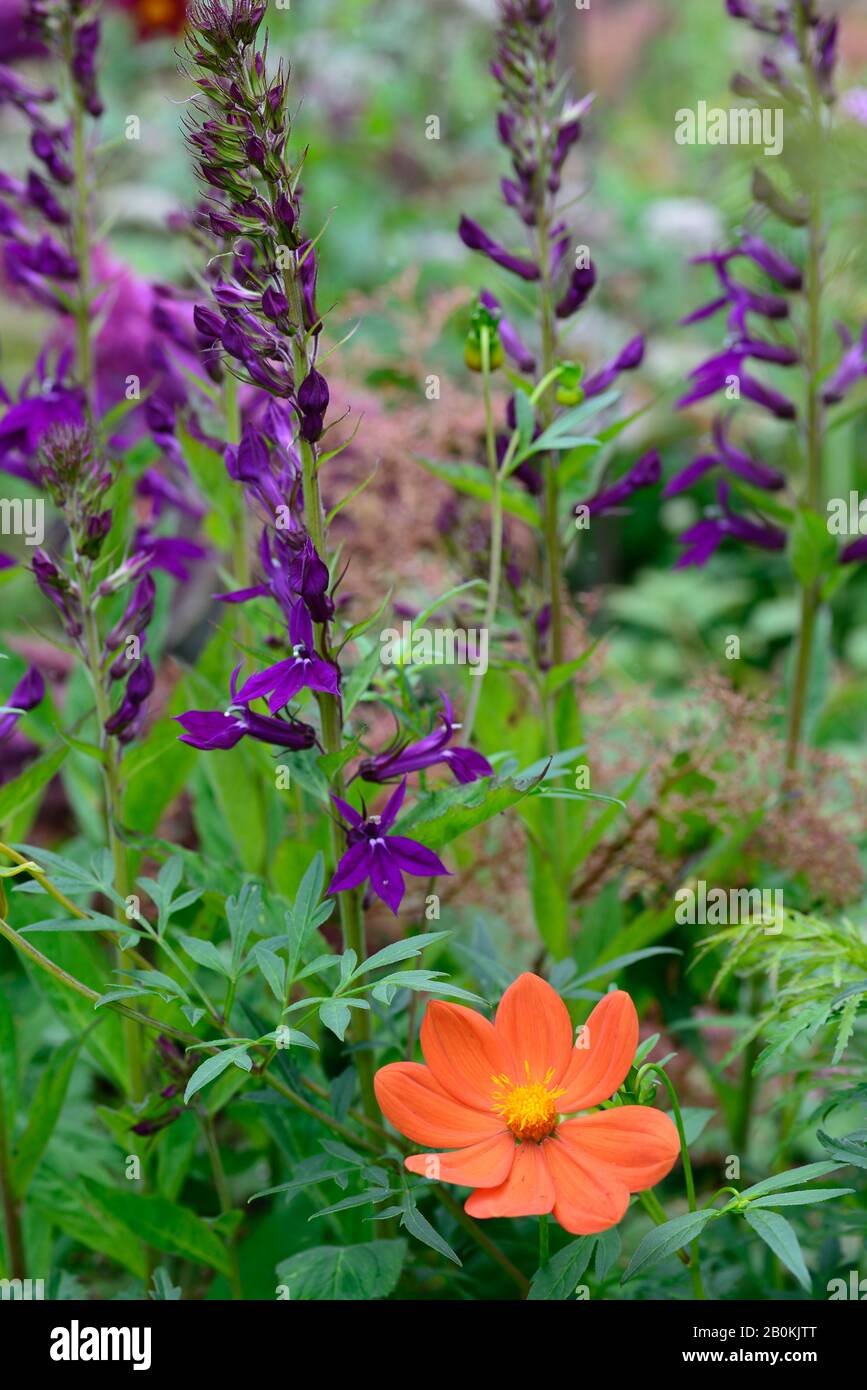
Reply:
x=112 y=800
x=551 y=498
x=495 y=564
x=747 y=1088
x=11 y=1210
x=351 y=914
x=483 y=1241
x=814 y=414
x=224 y=1196
x=241 y=550
x=694 y=1264
x=656 y=1212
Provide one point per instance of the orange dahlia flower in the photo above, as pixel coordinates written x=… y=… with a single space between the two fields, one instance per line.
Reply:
x=494 y=1095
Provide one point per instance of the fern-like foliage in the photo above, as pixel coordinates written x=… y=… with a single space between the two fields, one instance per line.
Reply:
x=816 y=972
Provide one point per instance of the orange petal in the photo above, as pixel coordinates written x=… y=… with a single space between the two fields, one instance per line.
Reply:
x=527 y=1191
x=416 y=1104
x=597 y=1069
x=534 y=1024
x=481 y=1165
x=632 y=1143
x=464 y=1053
x=589 y=1198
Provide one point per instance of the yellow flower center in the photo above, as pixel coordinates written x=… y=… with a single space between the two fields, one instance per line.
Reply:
x=529 y=1110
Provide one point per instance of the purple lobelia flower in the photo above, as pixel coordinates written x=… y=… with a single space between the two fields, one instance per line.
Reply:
x=627 y=359
x=304 y=669
x=375 y=855
x=466 y=764
x=26 y=695
x=644 y=473
x=726 y=455
x=472 y=235
x=47 y=399
x=703 y=539
x=222 y=729
x=850 y=369
x=765 y=291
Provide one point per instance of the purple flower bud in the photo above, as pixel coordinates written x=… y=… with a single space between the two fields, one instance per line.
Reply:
x=473 y=236
x=581 y=283
x=285 y=212
x=275 y=305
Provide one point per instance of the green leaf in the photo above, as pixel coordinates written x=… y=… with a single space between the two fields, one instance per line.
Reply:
x=557 y=676
x=163 y=1225
x=399 y=950
x=44 y=1113
x=561 y=435
x=419 y=1226
x=211 y=1068
x=664 y=1240
x=19 y=794
x=335 y=1014
x=776 y=1232
x=344 y=1273
x=812 y=549
x=557 y=1279
x=851 y=1149
x=801 y=1199
x=205 y=953
x=440 y=817
x=359 y=678
x=794 y=1178
x=472 y=481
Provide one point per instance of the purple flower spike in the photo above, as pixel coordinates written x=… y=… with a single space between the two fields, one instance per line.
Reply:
x=472 y=235
x=466 y=763
x=304 y=669
x=373 y=854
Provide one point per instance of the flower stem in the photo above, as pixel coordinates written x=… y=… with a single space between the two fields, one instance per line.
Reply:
x=112 y=799
x=814 y=416
x=495 y=566
x=351 y=913
x=224 y=1196
x=11 y=1210
x=694 y=1264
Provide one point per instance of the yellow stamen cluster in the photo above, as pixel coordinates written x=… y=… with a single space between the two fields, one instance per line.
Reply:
x=529 y=1109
